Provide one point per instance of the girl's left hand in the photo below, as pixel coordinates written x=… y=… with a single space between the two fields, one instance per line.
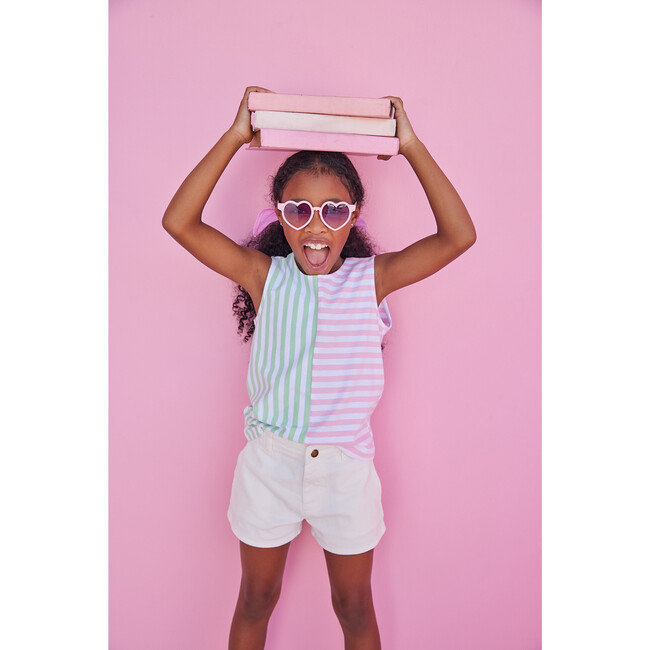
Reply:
x=405 y=131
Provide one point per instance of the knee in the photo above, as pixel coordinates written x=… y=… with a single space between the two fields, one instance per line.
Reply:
x=257 y=601
x=354 y=610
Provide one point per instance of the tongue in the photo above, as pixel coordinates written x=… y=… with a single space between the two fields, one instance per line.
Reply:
x=314 y=257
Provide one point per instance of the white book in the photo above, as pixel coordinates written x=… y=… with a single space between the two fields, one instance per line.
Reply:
x=323 y=123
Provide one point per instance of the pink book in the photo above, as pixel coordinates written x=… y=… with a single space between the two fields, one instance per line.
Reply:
x=352 y=106
x=284 y=140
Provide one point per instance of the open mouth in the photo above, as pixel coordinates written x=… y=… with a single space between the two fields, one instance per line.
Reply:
x=316 y=254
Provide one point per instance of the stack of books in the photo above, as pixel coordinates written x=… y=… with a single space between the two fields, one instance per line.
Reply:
x=353 y=125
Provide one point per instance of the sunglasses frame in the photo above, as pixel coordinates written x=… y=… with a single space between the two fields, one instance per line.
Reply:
x=351 y=208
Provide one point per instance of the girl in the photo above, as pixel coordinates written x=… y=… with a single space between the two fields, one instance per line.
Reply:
x=313 y=294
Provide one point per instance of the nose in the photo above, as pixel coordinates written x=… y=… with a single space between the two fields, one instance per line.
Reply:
x=316 y=224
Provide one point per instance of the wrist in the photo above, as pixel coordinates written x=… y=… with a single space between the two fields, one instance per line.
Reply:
x=410 y=146
x=236 y=137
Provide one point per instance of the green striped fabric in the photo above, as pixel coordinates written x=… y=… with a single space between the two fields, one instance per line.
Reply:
x=279 y=374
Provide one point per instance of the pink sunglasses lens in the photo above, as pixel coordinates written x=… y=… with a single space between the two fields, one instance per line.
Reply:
x=297 y=214
x=335 y=215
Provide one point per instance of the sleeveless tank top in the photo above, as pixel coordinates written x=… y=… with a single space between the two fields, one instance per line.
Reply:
x=316 y=370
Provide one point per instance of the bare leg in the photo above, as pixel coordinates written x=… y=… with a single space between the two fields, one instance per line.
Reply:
x=352 y=599
x=261 y=580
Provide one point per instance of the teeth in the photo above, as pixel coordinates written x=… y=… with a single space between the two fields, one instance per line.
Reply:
x=316 y=247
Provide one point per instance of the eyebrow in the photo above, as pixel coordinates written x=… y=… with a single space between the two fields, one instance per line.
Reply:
x=335 y=199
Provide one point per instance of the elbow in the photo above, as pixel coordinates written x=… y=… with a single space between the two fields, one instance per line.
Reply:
x=471 y=239
x=463 y=236
x=467 y=240
x=169 y=224
x=177 y=222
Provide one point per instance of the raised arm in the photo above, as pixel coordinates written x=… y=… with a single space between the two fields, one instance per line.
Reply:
x=455 y=230
x=182 y=219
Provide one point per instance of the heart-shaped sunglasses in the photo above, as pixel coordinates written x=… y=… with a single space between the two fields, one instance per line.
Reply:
x=334 y=215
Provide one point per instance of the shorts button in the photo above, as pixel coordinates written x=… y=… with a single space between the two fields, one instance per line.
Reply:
x=314 y=453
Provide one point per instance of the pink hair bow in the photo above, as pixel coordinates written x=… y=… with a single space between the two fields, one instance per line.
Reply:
x=268 y=216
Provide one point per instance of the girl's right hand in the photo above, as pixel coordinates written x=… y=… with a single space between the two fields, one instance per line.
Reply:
x=242 y=124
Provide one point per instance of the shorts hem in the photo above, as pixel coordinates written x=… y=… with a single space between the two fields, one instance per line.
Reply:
x=351 y=549
x=265 y=543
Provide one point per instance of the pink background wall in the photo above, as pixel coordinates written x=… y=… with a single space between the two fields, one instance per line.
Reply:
x=459 y=566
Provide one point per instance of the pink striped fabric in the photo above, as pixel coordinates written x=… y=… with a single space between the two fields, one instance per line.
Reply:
x=347 y=369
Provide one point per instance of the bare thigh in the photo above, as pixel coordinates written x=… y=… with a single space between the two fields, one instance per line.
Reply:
x=350 y=582
x=262 y=571
x=352 y=599
x=350 y=574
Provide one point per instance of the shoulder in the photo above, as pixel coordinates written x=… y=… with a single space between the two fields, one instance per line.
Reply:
x=281 y=270
x=361 y=261
x=284 y=264
x=357 y=274
x=359 y=264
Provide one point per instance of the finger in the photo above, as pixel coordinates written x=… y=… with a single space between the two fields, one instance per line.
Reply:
x=253 y=89
x=257 y=89
x=397 y=105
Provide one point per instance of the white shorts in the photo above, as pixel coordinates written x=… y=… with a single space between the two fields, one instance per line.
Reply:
x=278 y=483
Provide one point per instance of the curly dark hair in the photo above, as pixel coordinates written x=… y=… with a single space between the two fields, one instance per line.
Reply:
x=272 y=241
